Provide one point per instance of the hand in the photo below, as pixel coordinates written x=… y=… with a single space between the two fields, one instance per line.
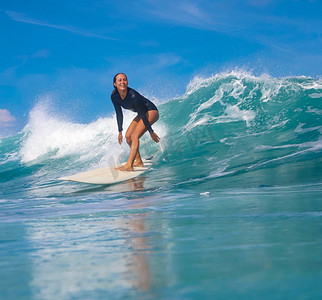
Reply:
x=120 y=138
x=155 y=137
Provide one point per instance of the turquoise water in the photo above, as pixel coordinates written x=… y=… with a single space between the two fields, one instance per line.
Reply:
x=231 y=209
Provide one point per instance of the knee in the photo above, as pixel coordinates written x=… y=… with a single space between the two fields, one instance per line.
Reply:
x=128 y=138
x=134 y=137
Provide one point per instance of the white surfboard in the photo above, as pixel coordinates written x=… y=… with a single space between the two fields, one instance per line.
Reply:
x=107 y=175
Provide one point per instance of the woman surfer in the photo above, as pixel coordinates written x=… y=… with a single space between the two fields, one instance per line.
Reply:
x=123 y=96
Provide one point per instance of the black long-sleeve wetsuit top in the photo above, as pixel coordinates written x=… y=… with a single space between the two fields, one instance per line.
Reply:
x=134 y=102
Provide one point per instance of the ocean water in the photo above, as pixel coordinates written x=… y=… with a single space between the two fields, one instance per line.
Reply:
x=232 y=208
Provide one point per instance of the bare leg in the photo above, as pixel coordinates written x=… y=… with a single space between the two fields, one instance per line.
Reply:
x=137 y=130
x=138 y=160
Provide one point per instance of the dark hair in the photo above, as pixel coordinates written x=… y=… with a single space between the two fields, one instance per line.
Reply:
x=114 y=79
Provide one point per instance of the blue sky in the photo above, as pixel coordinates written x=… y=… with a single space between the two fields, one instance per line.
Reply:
x=69 y=51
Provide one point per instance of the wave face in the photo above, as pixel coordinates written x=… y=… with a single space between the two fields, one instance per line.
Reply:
x=237 y=129
x=228 y=130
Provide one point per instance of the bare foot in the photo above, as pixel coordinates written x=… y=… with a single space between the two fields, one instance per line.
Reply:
x=124 y=168
x=138 y=164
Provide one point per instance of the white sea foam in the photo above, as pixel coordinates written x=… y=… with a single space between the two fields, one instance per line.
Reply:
x=244 y=87
x=219 y=172
x=234 y=88
x=205 y=194
x=235 y=113
x=312 y=110
x=314 y=85
x=300 y=130
x=47 y=133
x=315 y=95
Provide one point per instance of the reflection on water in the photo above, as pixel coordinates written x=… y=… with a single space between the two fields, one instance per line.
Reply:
x=137 y=258
x=184 y=244
x=87 y=254
x=134 y=184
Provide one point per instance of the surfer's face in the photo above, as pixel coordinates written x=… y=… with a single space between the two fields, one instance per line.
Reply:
x=121 y=82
